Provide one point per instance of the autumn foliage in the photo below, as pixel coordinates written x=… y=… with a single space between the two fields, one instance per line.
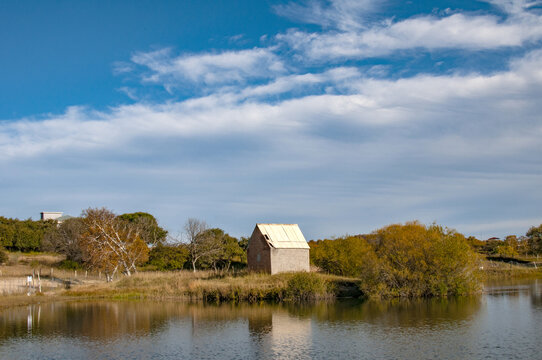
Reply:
x=110 y=243
x=402 y=261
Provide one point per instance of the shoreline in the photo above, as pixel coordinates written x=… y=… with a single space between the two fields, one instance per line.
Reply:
x=240 y=287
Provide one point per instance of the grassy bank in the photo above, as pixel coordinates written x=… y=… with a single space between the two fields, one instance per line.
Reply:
x=180 y=285
x=494 y=270
x=244 y=287
x=199 y=286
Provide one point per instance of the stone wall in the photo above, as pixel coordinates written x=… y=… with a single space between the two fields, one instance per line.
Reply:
x=283 y=260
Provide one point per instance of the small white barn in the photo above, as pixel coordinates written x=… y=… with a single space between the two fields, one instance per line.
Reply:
x=275 y=248
x=50 y=215
x=54 y=215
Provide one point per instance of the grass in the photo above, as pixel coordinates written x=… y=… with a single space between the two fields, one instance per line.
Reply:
x=499 y=270
x=206 y=286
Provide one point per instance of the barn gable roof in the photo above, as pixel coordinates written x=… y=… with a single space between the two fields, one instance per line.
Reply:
x=283 y=236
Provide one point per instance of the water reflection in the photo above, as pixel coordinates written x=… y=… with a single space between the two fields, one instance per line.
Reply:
x=93 y=320
x=504 y=322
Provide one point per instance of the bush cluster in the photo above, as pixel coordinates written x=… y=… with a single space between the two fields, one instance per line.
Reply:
x=23 y=235
x=409 y=260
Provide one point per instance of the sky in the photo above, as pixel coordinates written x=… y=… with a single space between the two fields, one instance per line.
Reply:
x=340 y=115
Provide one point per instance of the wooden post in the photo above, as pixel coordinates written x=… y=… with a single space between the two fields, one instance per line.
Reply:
x=29 y=284
x=39 y=281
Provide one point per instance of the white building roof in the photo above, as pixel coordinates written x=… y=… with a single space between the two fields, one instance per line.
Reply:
x=283 y=236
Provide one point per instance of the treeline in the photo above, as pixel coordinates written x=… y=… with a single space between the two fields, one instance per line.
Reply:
x=23 y=235
x=512 y=246
x=104 y=241
x=409 y=260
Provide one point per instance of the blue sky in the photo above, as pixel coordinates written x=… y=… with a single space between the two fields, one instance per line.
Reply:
x=342 y=116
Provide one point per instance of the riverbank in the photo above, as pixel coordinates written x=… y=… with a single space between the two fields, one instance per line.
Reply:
x=494 y=270
x=212 y=287
x=202 y=286
x=208 y=286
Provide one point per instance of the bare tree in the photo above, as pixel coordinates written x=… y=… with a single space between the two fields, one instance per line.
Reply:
x=64 y=239
x=111 y=243
x=199 y=242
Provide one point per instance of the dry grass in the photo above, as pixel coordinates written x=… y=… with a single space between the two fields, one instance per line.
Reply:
x=182 y=285
x=41 y=266
x=498 y=270
x=207 y=286
x=43 y=259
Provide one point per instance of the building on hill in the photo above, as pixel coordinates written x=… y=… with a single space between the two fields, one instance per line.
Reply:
x=275 y=248
x=54 y=215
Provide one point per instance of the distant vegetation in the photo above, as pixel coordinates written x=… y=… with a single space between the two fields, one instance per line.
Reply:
x=409 y=260
x=103 y=241
x=23 y=235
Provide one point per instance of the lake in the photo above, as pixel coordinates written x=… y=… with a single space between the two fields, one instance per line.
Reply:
x=505 y=322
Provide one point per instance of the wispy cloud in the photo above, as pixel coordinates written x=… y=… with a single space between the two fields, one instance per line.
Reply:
x=209 y=69
x=339 y=14
x=456 y=31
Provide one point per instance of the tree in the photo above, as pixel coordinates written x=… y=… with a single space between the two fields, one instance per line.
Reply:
x=65 y=239
x=402 y=260
x=425 y=261
x=111 y=243
x=534 y=238
x=227 y=250
x=348 y=256
x=3 y=256
x=149 y=230
x=168 y=257
x=243 y=243
x=23 y=235
x=199 y=241
x=509 y=247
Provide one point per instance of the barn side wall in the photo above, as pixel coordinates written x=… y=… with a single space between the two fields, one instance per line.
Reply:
x=258 y=245
x=283 y=260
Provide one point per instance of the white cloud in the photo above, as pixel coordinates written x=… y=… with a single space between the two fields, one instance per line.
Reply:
x=341 y=14
x=456 y=31
x=452 y=32
x=210 y=69
x=485 y=107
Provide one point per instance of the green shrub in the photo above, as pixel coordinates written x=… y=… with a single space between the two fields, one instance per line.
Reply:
x=168 y=257
x=306 y=286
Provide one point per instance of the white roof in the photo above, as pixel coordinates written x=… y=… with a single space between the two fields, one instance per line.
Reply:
x=283 y=236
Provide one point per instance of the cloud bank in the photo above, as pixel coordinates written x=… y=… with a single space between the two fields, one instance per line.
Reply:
x=265 y=135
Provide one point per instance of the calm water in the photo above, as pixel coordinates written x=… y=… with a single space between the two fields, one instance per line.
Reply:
x=503 y=323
